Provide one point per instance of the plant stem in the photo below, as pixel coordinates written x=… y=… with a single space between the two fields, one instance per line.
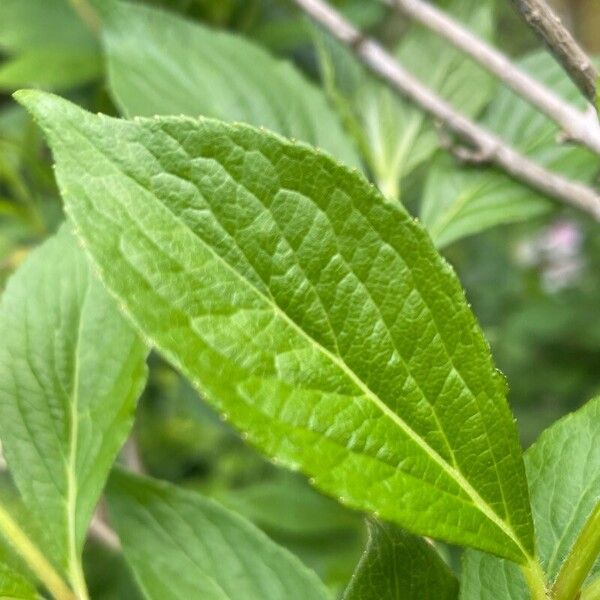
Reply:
x=488 y=146
x=536 y=580
x=581 y=559
x=540 y=17
x=34 y=558
x=576 y=125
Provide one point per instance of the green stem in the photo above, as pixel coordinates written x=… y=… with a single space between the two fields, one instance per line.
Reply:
x=536 y=580
x=581 y=559
x=34 y=558
x=592 y=591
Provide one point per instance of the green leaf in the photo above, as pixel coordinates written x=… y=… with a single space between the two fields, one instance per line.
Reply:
x=13 y=586
x=71 y=370
x=181 y=545
x=315 y=315
x=460 y=201
x=49 y=69
x=399 y=566
x=47 y=45
x=563 y=469
x=288 y=506
x=161 y=64
x=394 y=135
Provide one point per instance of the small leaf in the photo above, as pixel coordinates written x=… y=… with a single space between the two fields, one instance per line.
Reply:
x=563 y=468
x=161 y=64
x=399 y=566
x=460 y=201
x=314 y=314
x=181 y=545
x=71 y=370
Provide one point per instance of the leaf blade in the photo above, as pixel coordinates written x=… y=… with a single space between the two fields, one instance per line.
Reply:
x=71 y=372
x=226 y=557
x=225 y=77
x=400 y=566
x=267 y=358
x=562 y=467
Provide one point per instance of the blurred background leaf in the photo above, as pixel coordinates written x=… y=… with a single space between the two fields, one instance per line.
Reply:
x=462 y=201
x=395 y=136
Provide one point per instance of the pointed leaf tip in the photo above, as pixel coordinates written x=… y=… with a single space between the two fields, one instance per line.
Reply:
x=29 y=97
x=45 y=107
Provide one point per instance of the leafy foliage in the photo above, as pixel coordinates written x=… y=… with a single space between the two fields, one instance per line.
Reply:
x=458 y=202
x=267 y=359
x=226 y=77
x=308 y=308
x=183 y=546
x=563 y=469
x=71 y=371
x=48 y=45
x=394 y=135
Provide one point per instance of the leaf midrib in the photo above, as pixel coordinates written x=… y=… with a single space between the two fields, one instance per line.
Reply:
x=74 y=568
x=454 y=473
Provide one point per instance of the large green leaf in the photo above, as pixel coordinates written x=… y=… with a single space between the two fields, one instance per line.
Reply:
x=315 y=315
x=161 y=64
x=563 y=468
x=394 y=134
x=399 y=566
x=181 y=545
x=47 y=44
x=71 y=370
x=459 y=201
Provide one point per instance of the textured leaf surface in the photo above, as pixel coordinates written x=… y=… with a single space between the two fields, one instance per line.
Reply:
x=71 y=369
x=181 y=545
x=161 y=64
x=563 y=468
x=459 y=201
x=394 y=135
x=399 y=566
x=315 y=315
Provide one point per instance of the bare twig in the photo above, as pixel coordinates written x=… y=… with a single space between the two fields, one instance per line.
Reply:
x=483 y=141
x=540 y=17
x=131 y=456
x=577 y=126
x=100 y=531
